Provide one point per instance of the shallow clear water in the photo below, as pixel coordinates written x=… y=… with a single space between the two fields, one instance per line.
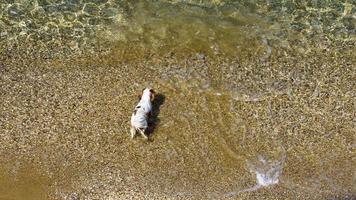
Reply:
x=256 y=99
x=207 y=26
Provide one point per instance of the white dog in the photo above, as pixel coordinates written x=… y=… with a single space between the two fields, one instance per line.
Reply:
x=142 y=112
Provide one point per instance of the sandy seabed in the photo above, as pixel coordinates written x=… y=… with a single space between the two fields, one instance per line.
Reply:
x=64 y=125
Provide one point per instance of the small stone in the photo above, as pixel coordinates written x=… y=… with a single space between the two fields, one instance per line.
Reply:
x=201 y=56
x=109 y=12
x=91 y=9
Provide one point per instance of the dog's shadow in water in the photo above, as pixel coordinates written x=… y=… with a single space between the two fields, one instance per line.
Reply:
x=154 y=120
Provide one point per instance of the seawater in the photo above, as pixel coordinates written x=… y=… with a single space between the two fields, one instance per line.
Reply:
x=198 y=26
x=255 y=99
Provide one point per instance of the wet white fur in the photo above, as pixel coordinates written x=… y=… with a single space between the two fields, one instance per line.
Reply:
x=140 y=115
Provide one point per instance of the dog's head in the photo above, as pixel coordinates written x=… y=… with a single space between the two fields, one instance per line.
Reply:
x=148 y=94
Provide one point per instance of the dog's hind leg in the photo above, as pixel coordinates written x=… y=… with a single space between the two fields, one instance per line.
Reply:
x=143 y=133
x=133 y=132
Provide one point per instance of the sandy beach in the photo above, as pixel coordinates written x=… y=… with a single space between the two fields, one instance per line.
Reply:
x=254 y=100
x=65 y=128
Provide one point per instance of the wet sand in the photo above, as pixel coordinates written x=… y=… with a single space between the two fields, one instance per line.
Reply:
x=64 y=126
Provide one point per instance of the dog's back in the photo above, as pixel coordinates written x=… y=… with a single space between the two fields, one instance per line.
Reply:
x=140 y=114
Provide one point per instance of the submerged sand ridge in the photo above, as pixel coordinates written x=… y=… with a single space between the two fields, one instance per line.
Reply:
x=67 y=122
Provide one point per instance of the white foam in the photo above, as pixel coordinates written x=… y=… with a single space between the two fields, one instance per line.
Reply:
x=267 y=173
x=266 y=180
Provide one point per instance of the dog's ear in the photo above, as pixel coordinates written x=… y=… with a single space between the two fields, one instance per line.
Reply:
x=152 y=94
